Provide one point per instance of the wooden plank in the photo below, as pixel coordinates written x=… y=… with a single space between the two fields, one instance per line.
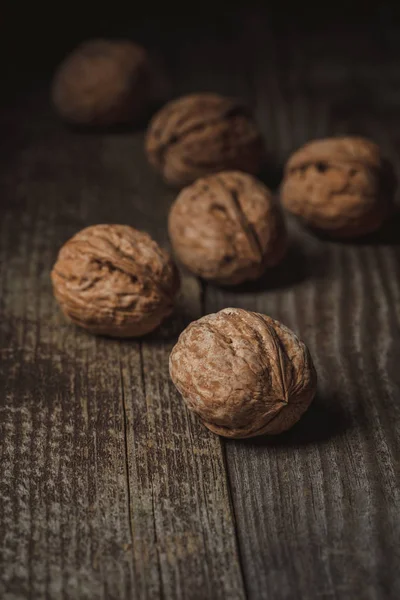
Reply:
x=317 y=508
x=108 y=489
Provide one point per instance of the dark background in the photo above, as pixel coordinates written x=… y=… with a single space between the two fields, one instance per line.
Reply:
x=34 y=38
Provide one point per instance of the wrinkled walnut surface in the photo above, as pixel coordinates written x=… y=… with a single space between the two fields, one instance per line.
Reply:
x=201 y=134
x=227 y=228
x=102 y=82
x=243 y=373
x=340 y=185
x=114 y=280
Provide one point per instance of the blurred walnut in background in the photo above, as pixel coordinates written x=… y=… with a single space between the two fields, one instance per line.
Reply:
x=103 y=82
x=342 y=186
x=243 y=373
x=115 y=280
x=227 y=228
x=200 y=134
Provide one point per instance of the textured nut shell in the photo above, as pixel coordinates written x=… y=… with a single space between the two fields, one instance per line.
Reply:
x=114 y=280
x=227 y=228
x=201 y=134
x=102 y=83
x=340 y=185
x=243 y=373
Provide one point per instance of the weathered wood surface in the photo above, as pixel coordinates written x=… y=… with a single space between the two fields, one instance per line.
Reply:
x=108 y=487
x=317 y=510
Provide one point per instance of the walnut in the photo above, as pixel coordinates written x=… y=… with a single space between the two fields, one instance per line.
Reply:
x=201 y=134
x=114 y=280
x=227 y=228
x=340 y=185
x=103 y=82
x=243 y=373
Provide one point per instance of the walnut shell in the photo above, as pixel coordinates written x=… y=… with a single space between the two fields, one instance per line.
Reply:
x=114 y=280
x=341 y=185
x=243 y=373
x=227 y=228
x=201 y=134
x=103 y=82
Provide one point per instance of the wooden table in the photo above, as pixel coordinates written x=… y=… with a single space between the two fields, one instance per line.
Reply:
x=109 y=488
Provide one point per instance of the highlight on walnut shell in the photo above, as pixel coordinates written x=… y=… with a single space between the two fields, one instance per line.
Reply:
x=342 y=186
x=227 y=228
x=200 y=134
x=115 y=280
x=102 y=83
x=243 y=373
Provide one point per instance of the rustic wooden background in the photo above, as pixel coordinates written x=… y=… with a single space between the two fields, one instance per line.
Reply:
x=109 y=489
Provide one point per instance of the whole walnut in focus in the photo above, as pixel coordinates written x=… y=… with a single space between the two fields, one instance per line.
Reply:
x=341 y=185
x=114 y=280
x=201 y=134
x=103 y=82
x=227 y=228
x=243 y=373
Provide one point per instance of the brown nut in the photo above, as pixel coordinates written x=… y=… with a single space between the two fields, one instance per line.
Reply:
x=103 y=82
x=201 y=134
x=341 y=185
x=243 y=373
x=114 y=280
x=227 y=228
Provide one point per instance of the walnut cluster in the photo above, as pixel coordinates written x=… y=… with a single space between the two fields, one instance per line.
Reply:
x=342 y=186
x=114 y=280
x=201 y=134
x=243 y=373
x=227 y=228
x=103 y=82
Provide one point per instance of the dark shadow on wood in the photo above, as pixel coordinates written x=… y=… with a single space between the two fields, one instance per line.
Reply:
x=387 y=235
x=324 y=420
x=271 y=175
x=295 y=268
x=171 y=328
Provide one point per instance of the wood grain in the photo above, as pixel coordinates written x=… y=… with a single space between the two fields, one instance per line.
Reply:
x=108 y=488
x=317 y=508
